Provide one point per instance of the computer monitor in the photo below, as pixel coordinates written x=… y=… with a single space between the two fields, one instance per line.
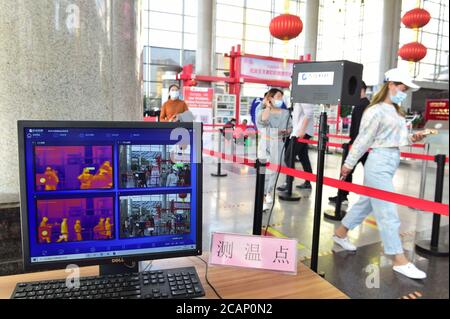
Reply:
x=109 y=192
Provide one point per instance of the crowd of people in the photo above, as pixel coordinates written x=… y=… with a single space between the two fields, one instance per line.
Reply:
x=379 y=125
x=154 y=224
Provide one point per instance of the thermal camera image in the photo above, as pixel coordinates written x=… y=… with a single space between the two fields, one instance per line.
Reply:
x=75 y=219
x=73 y=167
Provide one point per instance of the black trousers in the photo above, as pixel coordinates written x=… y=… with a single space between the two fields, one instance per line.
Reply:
x=298 y=149
x=349 y=178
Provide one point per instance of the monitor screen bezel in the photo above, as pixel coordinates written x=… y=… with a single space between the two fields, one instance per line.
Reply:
x=22 y=125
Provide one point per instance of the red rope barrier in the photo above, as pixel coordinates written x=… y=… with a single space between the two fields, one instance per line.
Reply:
x=402 y=154
x=346 y=137
x=339 y=145
x=404 y=200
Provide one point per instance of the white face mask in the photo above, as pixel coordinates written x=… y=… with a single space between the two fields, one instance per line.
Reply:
x=174 y=95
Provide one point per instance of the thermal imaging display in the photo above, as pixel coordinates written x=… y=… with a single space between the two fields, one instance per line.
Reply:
x=73 y=167
x=98 y=192
x=75 y=219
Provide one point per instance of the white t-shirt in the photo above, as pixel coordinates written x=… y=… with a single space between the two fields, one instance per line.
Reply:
x=302 y=111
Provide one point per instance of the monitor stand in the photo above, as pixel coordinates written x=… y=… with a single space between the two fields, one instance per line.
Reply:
x=114 y=269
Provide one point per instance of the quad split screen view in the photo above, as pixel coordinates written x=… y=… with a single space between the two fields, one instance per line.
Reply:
x=102 y=192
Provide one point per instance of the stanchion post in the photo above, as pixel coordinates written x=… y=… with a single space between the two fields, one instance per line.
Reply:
x=288 y=194
x=423 y=173
x=319 y=186
x=327 y=149
x=219 y=160
x=434 y=247
x=338 y=212
x=260 y=166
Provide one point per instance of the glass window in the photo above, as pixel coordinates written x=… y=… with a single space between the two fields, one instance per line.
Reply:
x=429 y=40
x=229 y=29
x=280 y=50
x=172 y=6
x=222 y=62
x=229 y=13
x=188 y=57
x=165 y=56
x=256 y=33
x=190 y=7
x=258 y=17
x=280 y=7
x=259 y=48
x=434 y=36
x=167 y=39
x=265 y=5
x=145 y=5
x=223 y=45
x=156 y=72
x=232 y=2
x=190 y=24
x=153 y=89
x=165 y=21
x=190 y=41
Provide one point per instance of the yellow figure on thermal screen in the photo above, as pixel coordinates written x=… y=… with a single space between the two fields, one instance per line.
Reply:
x=44 y=231
x=106 y=172
x=99 y=229
x=64 y=231
x=78 y=230
x=108 y=227
x=85 y=179
x=51 y=179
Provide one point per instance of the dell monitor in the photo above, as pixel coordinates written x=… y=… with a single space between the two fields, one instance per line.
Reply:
x=109 y=192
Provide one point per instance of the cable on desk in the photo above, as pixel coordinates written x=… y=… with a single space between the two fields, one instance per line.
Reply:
x=206 y=278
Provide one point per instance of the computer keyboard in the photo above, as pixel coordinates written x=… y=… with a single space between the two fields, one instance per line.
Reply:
x=159 y=284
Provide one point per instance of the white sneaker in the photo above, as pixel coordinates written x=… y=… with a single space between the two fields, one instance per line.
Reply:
x=344 y=243
x=269 y=199
x=410 y=271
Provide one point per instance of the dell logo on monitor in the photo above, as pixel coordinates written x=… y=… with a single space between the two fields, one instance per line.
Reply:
x=117 y=260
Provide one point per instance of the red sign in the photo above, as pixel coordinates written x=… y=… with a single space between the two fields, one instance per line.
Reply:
x=200 y=102
x=266 y=69
x=198 y=97
x=436 y=110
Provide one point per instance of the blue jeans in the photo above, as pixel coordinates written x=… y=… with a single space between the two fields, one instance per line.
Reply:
x=379 y=171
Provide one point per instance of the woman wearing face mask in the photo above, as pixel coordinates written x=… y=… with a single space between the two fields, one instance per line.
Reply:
x=174 y=106
x=274 y=123
x=383 y=129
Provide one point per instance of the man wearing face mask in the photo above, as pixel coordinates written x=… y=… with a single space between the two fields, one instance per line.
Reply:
x=383 y=130
x=357 y=114
x=303 y=127
x=174 y=106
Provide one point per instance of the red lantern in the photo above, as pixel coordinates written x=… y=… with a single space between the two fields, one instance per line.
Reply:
x=416 y=18
x=286 y=27
x=413 y=52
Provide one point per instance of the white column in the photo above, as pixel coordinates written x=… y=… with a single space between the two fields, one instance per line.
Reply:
x=311 y=25
x=391 y=19
x=204 y=53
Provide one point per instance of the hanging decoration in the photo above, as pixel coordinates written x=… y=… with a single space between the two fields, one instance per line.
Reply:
x=286 y=27
x=414 y=19
x=412 y=52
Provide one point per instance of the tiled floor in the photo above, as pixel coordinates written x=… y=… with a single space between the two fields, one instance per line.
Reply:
x=228 y=206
